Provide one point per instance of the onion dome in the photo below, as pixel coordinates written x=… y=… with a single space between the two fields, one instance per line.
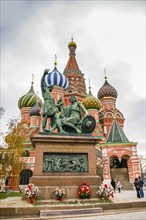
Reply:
x=29 y=99
x=107 y=90
x=56 y=78
x=72 y=44
x=35 y=110
x=91 y=102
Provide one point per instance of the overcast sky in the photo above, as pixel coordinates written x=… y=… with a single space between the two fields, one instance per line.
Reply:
x=109 y=34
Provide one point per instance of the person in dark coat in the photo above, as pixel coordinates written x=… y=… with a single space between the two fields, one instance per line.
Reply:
x=113 y=183
x=137 y=187
x=141 y=183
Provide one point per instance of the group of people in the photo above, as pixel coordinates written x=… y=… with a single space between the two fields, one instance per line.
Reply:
x=138 y=184
x=117 y=185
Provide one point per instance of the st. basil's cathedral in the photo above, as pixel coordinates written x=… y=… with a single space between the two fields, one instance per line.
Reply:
x=118 y=155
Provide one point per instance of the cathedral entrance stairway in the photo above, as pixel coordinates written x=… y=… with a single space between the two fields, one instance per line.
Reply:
x=121 y=174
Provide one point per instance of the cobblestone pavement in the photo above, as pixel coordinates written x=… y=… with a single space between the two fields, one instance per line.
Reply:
x=130 y=214
x=128 y=196
x=134 y=215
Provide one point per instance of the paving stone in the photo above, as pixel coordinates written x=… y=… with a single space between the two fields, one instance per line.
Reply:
x=69 y=212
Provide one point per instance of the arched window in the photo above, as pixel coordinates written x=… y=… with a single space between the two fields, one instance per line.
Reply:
x=118 y=116
x=7 y=181
x=114 y=162
x=124 y=161
x=109 y=115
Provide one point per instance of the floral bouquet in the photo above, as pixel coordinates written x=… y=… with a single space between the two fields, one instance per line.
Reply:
x=84 y=191
x=59 y=193
x=31 y=191
x=105 y=191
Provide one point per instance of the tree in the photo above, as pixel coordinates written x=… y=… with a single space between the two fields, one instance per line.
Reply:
x=10 y=156
x=2 y=111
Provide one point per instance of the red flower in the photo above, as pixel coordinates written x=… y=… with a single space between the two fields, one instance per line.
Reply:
x=30 y=188
x=105 y=185
x=84 y=191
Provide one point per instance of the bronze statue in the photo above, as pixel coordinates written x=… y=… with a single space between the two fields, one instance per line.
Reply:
x=72 y=115
x=49 y=109
x=71 y=119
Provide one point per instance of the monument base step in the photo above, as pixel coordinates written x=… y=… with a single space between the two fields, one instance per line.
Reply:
x=70 y=212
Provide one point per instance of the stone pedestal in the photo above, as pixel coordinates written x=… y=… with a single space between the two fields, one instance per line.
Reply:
x=53 y=145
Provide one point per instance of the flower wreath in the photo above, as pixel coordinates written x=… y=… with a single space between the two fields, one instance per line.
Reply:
x=31 y=191
x=84 y=191
x=59 y=193
x=105 y=191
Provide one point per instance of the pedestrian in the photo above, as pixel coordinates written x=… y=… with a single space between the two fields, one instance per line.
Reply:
x=119 y=186
x=113 y=183
x=137 y=187
x=141 y=183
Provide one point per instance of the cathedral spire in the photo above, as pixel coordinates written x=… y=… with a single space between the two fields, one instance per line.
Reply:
x=55 y=63
x=105 y=76
x=32 y=82
x=75 y=77
x=72 y=37
x=72 y=65
x=90 y=93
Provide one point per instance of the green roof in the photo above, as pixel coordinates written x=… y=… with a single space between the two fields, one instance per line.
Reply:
x=116 y=134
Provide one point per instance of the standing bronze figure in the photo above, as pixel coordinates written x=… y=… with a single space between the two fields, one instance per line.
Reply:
x=49 y=109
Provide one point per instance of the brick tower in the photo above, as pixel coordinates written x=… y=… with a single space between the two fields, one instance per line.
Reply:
x=107 y=94
x=75 y=77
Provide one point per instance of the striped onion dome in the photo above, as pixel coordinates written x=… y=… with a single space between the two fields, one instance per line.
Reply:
x=35 y=110
x=56 y=78
x=91 y=102
x=29 y=99
x=107 y=91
